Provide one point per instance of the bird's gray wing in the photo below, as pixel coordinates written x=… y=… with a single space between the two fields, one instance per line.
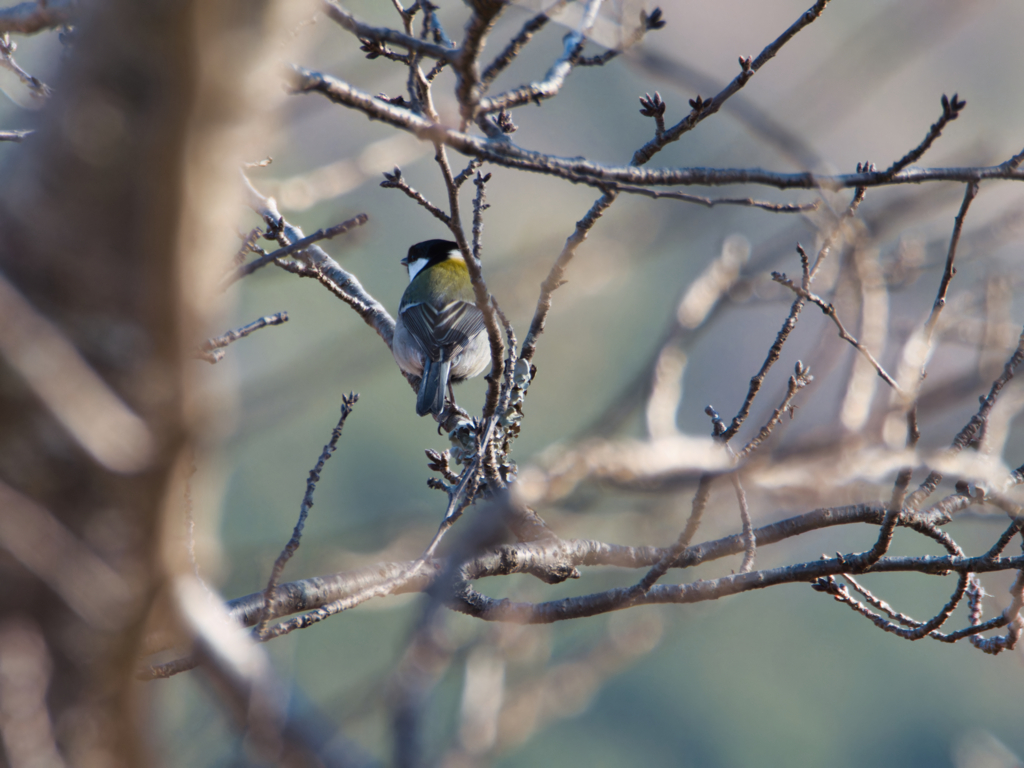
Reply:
x=443 y=332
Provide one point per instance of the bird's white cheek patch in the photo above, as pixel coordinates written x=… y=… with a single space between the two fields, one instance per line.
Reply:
x=415 y=267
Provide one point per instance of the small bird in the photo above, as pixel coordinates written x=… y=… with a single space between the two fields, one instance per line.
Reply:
x=440 y=334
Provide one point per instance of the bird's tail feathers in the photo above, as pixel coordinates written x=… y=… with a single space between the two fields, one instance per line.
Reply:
x=432 y=387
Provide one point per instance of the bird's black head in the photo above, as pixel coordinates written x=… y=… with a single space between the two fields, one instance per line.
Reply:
x=430 y=252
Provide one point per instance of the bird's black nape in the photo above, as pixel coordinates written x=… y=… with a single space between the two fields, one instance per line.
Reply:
x=431 y=250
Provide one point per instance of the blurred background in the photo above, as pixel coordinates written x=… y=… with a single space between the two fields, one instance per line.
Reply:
x=774 y=678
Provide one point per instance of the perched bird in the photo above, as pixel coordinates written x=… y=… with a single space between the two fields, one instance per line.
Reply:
x=440 y=334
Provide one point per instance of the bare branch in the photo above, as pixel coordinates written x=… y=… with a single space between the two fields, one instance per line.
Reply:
x=711 y=202
x=950 y=112
x=316 y=263
x=467 y=173
x=307 y=504
x=899 y=490
x=1015 y=528
x=288 y=250
x=947 y=274
x=508 y=55
x=593 y=174
x=39 y=89
x=31 y=17
x=469 y=87
x=386 y=35
x=212 y=351
x=544 y=89
x=471 y=602
x=704 y=109
x=916 y=629
x=554 y=278
x=483 y=301
x=801 y=378
x=322 y=597
x=700 y=502
x=794 y=314
x=830 y=310
x=749 y=539
x=1010 y=616
x=597 y=61
x=971 y=429
x=394 y=180
x=880 y=604
x=309 y=594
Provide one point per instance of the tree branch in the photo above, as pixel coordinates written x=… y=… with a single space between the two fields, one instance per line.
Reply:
x=211 y=350
x=704 y=109
x=364 y=31
x=288 y=250
x=31 y=17
x=582 y=171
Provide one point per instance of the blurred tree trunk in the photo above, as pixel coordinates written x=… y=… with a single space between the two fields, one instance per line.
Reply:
x=113 y=214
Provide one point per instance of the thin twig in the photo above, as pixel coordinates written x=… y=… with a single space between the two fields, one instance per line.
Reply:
x=544 y=89
x=15 y=136
x=810 y=271
x=406 y=15
x=801 y=378
x=288 y=250
x=597 y=61
x=212 y=351
x=700 y=502
x=830 y=310
x=916 y=630
x=711 y=202
x=467 y=173
x=1015 y=527
x=476 y=274
x=517 y=43
x=903 y=478
x=39 y=89
x=950 y=111
x=704 y=109
x=384 y=34
x=880 y=604
x=433 y=25
x=931 y=482
x=749 y=539
x=468 y=87
x=394 y=180
x=971 y=429
x=248 y=246
x=970 y=193
x=554 y=278
x=317 y=264
x=307 y=503
x=1011 y=616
